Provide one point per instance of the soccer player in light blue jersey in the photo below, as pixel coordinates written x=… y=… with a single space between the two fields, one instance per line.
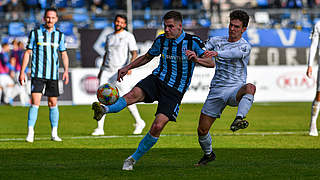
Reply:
x=44 y=44
x=228 y=86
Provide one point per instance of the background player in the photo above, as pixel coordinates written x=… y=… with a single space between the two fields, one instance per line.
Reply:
x=118 y=45
x=43 y=44
x=313 y=131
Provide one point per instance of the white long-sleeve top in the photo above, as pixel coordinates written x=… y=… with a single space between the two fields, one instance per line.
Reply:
x=314 y=43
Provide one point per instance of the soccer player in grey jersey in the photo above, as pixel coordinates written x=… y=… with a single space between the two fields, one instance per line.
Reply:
x=313 y=131
x=228 y=86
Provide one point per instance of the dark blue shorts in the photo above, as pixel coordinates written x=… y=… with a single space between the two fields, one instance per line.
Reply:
x=169 y=99
x=51 y=87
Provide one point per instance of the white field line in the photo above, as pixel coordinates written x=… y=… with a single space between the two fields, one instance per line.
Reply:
x=165 y=135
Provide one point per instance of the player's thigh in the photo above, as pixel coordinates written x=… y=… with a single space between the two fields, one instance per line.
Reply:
x=134 y=96
x=231 y=95
x=214 y=104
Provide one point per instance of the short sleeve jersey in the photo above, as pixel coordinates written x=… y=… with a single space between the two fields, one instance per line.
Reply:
x=45 y=46
x=174 y=68
x=231 y=62
x=118 y=47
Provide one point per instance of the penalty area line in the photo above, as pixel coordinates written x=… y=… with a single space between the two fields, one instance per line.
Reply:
x=165 y=135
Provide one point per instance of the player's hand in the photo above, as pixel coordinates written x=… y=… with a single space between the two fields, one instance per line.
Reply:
x=192 y=55
x=129 y=72
x=65 y=77
x=21 y=79
x=210 y=53
x=309 y=72
x=121 y=73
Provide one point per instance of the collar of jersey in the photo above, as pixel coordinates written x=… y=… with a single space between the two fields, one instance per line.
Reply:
x=181 y=37
x=45 y=30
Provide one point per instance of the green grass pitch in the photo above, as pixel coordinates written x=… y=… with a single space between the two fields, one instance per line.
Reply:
x=276 y=145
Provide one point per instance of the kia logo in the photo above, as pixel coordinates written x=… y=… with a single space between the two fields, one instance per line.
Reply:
x=295 y=81
x=89 y=84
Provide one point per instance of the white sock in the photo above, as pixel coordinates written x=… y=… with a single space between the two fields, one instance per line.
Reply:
x=54 y=131
x=101 y=122
x=206 y=143
x=314 y=114
x=135 y=113
x=30 y=130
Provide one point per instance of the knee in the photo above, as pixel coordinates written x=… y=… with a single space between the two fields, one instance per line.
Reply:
x=202 y=131
x=250 y=89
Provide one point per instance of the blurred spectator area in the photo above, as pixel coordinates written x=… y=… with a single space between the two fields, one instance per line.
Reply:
x=19 y=17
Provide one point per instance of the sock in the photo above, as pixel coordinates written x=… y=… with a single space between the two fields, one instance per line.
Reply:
x=116 y=107
x=135 y=113
x=314 y=113
x=30 y=131
x=244 y=105
x=145 y=145
x=54 y=116
x=206 y=143
x=32 y=115
x=101 y=122
x=54 y=131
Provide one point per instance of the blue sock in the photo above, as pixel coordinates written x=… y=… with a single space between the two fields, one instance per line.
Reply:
x=145 y=145
x=244 y=105
x=117 y=106
x=54 y=116
x=32 y=115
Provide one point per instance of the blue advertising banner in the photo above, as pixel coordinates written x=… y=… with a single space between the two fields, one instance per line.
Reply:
x=271 y=37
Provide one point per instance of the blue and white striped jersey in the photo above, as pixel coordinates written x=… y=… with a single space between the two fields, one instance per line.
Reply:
x=231 y=62
x=45 y=46
x=174 y=67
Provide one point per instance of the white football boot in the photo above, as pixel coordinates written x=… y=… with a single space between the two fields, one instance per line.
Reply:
x=30 y=136
x=139 y=127
x=128 y=164
x=97 y=132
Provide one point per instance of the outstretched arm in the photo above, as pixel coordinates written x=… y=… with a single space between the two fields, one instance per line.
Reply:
x=24 y=65
x=65 y=61
x=140 y=61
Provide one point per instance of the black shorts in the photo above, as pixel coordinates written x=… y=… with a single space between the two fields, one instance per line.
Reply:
x=51 y=86
x=169 y=99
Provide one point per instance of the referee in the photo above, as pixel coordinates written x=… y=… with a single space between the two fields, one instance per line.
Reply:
x=43 y=46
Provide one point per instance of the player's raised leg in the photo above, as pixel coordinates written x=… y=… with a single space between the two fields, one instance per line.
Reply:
x=245 y=97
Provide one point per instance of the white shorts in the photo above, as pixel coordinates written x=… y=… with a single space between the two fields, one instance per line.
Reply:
x=111 y=77
x=318 y=80
x=218 y=98
x=6 y=80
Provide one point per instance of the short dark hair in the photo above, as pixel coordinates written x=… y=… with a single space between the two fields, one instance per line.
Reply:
x=241 y=15
x=173 y=15
x=121 y=16
x=50 y=9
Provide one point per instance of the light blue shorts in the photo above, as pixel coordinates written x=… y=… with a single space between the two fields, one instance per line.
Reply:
x=218 y=98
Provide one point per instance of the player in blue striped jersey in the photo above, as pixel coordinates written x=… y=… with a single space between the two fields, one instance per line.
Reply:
x=167 y=83
x=44 y=44
x=228 y=86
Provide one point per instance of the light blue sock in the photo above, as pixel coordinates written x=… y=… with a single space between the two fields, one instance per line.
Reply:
x=32 y=115
x=244 y=105
x=54 y=116
x=206 y=143
x=117 y=106
x=145 y=145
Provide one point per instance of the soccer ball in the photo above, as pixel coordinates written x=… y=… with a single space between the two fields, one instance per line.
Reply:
x=107 y=94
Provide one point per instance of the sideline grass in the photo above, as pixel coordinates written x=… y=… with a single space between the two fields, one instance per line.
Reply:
x=239 y=156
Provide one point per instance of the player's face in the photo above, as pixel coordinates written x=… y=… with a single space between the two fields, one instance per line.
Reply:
x=119 y=24
x=50 y=19
x=235 y=30
x=172 y=29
